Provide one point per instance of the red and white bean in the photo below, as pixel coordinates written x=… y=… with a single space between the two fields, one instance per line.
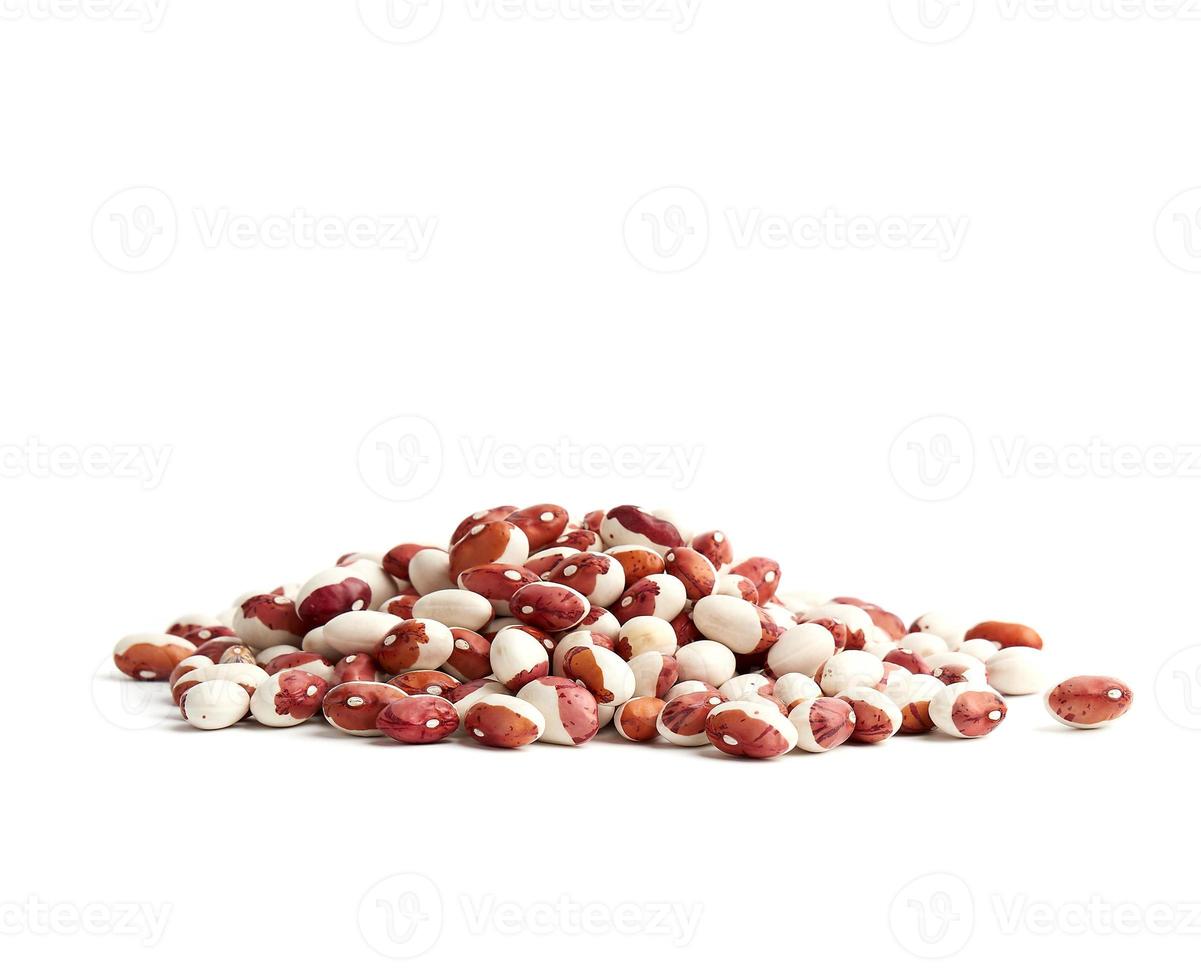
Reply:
x=751 y=729
x=1088 y=702
x=822 y=723
x=568 y=710
x=354 y=707
x=504 y=722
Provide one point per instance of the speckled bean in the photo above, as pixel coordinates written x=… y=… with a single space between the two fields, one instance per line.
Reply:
x=151 y=656
x=549 y=606
x=822 y=723
x=966 y=712
x=750 y=729
x=414 y=644
x=654 y=674
x=517 y=658
x=433 y=682
x=287 y=698
x=682 y=720
x=876 y=716
x=607 y=677
x=1088 y=702
x=569 y=711
x=418 y=720
x=354 y=707
x=633 y=525
x=504 y=722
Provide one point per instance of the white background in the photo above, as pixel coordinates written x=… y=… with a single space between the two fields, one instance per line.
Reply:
x=541 y=324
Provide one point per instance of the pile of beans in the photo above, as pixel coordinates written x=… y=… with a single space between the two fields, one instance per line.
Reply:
x=530 y=626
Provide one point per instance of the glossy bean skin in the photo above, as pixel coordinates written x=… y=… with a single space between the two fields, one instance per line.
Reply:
x=151 y=656
x=750 y=730
x=635 y=720
x=354 y=707
x=418 y=720
x=1089 y=701
x=1005 y=634
x=502 y=721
